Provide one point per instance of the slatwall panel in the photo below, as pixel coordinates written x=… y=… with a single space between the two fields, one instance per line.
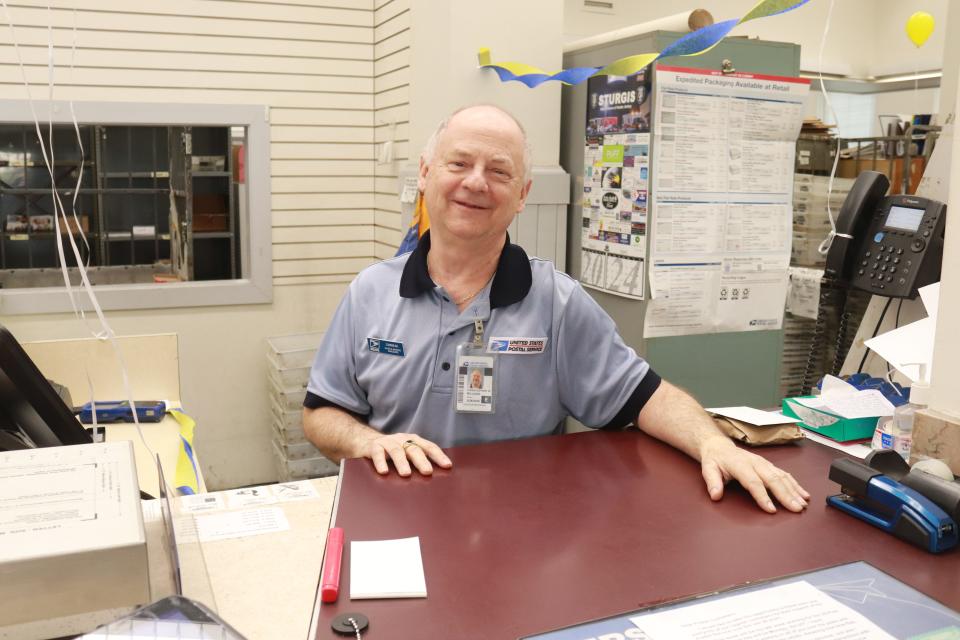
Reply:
x=541 y=229
x=320 y=69
x=391 y=85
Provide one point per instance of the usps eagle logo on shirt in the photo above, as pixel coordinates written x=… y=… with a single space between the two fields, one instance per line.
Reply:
x=498 y=345
x=517 y=345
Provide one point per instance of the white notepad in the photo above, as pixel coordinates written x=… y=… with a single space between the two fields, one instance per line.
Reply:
x=386 y=569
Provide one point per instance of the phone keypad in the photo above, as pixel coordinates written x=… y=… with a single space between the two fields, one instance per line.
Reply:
x=888 y=267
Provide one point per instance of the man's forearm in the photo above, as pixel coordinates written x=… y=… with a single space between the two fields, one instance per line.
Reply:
x=672 y=415
x=336 y=433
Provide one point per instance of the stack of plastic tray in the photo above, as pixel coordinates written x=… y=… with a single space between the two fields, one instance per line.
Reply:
x=289 y=359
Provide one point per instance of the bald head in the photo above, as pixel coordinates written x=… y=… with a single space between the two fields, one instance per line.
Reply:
x=494 y=116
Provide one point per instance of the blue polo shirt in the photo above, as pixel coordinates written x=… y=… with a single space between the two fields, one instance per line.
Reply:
x=389 y=355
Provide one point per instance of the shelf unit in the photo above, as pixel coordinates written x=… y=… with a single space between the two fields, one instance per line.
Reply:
x=123 y=203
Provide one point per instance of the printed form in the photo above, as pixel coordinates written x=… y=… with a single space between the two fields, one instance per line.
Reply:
x=721 y=200
x=795 y=611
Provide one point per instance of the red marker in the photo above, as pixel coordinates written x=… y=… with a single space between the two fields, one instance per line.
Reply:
x=330 y=576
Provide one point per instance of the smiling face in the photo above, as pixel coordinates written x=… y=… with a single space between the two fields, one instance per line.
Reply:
x=474 y=184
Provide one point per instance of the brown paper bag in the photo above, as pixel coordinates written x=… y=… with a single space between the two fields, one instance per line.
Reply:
x=758 y=436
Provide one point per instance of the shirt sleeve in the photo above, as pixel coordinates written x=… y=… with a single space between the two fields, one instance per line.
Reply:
x=602 y=380
x=333 y=376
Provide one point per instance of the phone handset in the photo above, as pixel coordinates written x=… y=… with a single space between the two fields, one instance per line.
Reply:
x=852 y=222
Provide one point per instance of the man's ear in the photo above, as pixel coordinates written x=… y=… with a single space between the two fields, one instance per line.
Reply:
x=422 y=177
x=523 y=195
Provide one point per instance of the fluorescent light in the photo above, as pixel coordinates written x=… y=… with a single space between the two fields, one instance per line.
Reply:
x=926 y=75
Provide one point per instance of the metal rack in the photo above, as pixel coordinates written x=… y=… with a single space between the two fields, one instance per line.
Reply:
x=123 y=204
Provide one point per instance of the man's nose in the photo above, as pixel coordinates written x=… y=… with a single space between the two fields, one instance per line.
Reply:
x=475 y=180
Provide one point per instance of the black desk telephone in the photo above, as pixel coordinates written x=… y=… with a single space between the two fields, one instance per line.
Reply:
x=886 y=245
x=897 y=241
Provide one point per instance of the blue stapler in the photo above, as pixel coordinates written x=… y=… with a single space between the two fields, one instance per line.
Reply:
x=891 y=506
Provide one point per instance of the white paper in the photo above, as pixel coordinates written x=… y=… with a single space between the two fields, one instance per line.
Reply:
x=238 y=524
x=410 y=188
x=249 y=496
x=910 y=344
x=720 y=204
x=868 y=403
x=753 y=416
x=843 y=399
x=816 y=402
x=803 y=291
x=857 y=450
x=185 y=529
x=151 y=510
x=201 y=502
x=795 y=611
x=386 y=569
x=291 y=491
x=930 y=295
x=834 y=387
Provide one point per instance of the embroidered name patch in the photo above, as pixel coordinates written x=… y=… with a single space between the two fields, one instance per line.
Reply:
x=516 y=345
x=385 y=346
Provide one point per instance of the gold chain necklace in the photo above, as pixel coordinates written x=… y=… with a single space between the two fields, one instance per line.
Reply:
x=471 y=296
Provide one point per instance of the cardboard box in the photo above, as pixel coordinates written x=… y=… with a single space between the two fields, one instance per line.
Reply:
x=209 y=222
x=829 y=424
x=209 y=203
x=892 y=167
x=72 y=225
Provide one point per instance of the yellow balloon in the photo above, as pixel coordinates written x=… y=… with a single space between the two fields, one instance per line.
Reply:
x=919 y=27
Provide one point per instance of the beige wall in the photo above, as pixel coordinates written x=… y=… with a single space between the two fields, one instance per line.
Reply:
x=946 y=361
x=314 y=67
x=446 y=38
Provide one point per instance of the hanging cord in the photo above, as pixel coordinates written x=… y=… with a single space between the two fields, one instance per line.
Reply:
x=825 y=245
x=813 y=366
x=60 y=212
x=896 y=325
x=876 y=330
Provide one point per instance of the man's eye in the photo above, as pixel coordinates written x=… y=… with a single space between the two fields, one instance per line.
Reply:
x=457 y=164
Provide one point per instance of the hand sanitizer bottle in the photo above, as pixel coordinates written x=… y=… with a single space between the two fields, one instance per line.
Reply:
x=904 y=415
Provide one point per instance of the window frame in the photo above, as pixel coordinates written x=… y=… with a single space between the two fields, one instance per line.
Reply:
x=255 y=284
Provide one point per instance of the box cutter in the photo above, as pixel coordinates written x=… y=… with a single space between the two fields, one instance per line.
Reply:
x=891 y=506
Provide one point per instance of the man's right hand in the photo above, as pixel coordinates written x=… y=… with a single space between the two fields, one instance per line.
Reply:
x=404 y=449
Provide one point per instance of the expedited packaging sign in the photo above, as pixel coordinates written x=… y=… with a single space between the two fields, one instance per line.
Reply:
x=721 y=200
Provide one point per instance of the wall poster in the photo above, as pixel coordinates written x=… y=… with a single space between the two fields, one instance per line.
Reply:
x=615 y=184
x=721 y=200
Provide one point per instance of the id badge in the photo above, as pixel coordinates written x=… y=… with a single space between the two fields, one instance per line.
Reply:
x=476 y=377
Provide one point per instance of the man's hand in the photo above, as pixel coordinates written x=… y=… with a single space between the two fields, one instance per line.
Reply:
x=338 y=434
x=403 y=449
x=722 y=461
x=675 y=417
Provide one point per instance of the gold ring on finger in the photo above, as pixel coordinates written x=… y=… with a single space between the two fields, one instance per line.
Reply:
x=409 y=443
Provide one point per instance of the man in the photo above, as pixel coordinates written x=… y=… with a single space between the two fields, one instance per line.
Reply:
x=476 y=379
x=390 y=379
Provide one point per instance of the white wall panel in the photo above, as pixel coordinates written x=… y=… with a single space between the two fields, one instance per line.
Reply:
x=391 y=71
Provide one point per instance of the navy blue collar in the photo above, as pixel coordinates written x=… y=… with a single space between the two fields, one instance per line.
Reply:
x=511 y=282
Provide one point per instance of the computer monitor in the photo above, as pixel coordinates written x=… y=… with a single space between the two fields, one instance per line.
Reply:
x=32 y=413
